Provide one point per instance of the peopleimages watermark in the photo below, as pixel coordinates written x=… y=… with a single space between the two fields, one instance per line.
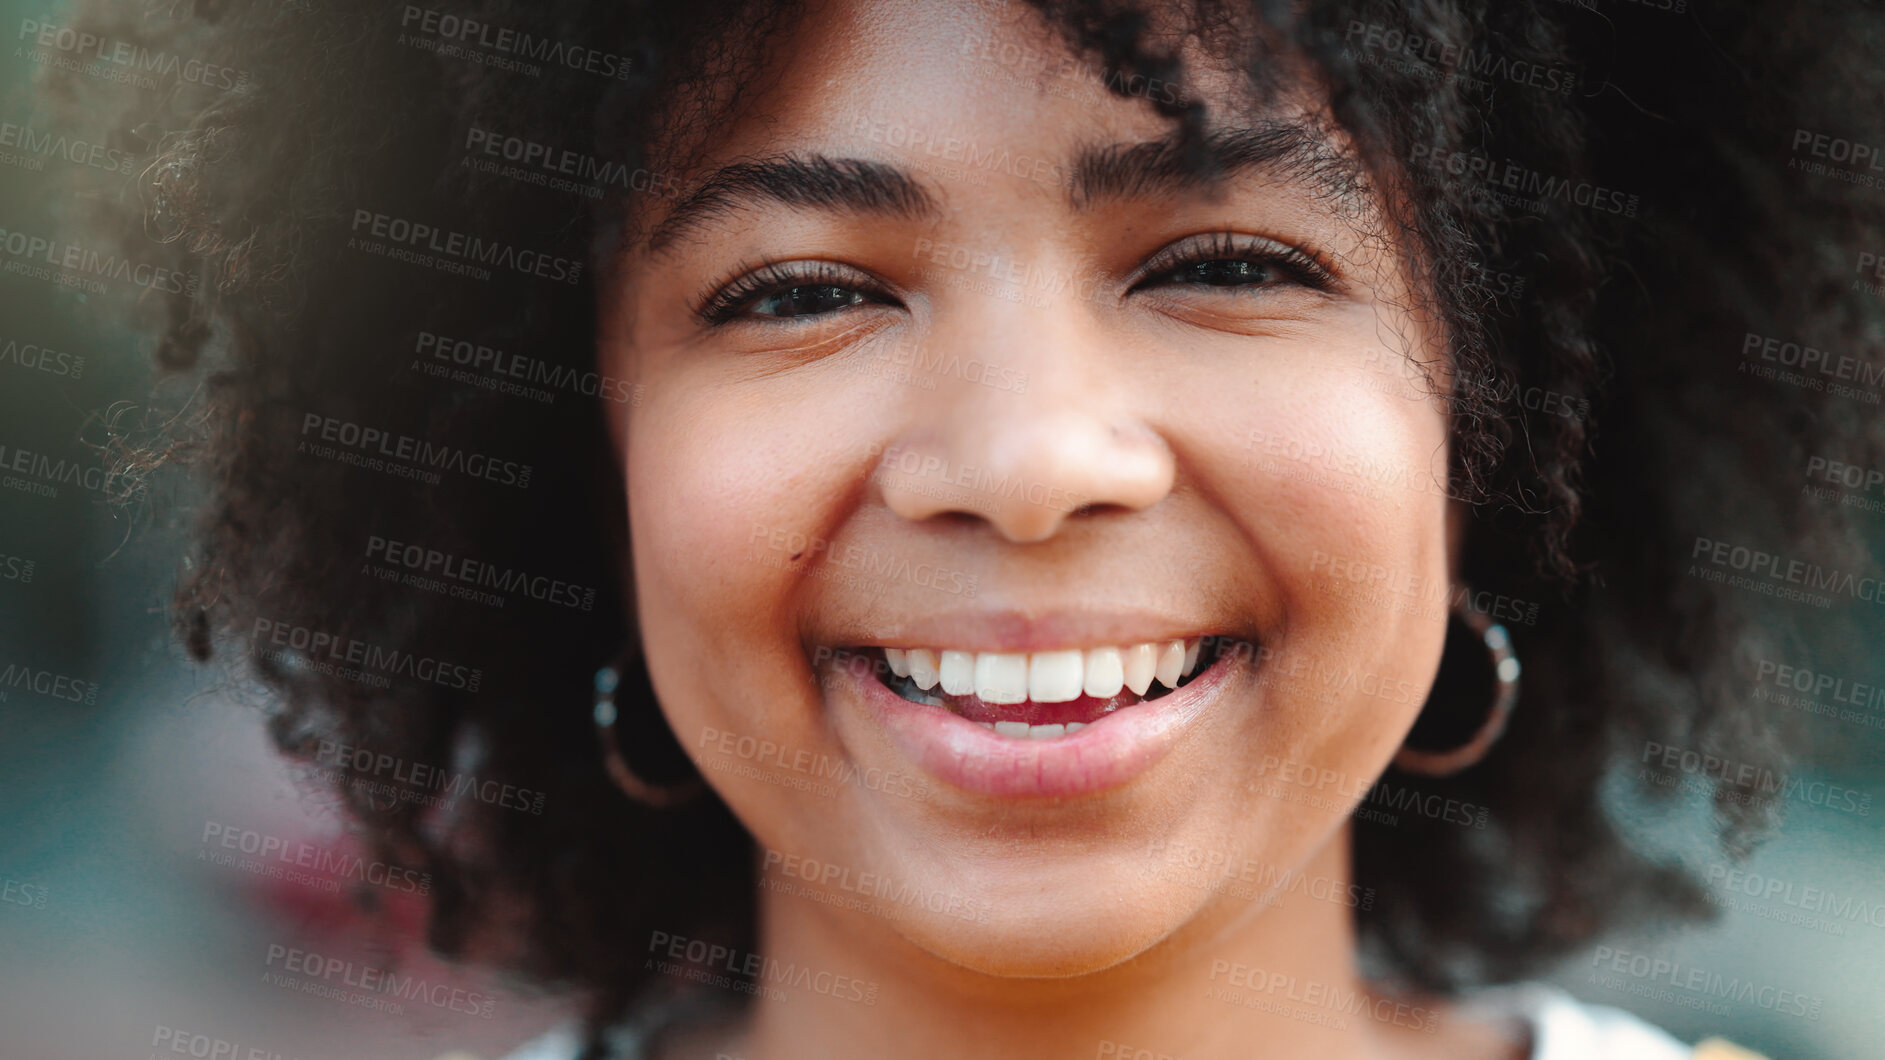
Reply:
x=1818 y=370
x=1359 y=473
x=278 y=858
x=925 y=366
x=1775 y=575
x=28 y=148
x=1874 y=262
x=1849 y=161
x=1324 y=1004
x=32 y=357
x=1806 y=906
x=953 y=149
x=1414 y=593
x=491 y=368
x=1112 y=1050
x=1839 y=149
x=15 y=892
x=305 y=648
x=41 y=475
x=1259 y=881
x=749 y=973
x=1517 y=184
x=421 y=564
x=367 y=986
x=1444 y=60
x=980 y=487
x=46 y=682
x=422 y=244
x=1692 y=986
x=947 y=157
x=1855 y=477
x=401 y=454
x=877 y=564
x=982 y=271
x=1756 y=783
x=736 y=752
x=121 y=60
x=869 y=892
x=1334 y=791
x=1822 y=694
x=174 y=1041
x=17 y=569
x=86 y=268
x=558 y=168
x=1835 y=688
x=1317 y=677
x=498 y=44
x=420 y=777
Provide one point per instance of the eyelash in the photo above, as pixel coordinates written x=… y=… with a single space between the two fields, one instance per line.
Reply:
x=729 y=300
x=1298 y=265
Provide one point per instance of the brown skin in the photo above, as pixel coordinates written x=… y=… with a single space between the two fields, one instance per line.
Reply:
x=1100 y=924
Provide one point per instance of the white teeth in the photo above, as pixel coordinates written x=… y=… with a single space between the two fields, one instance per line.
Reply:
x=1140 y=663
x=922 y=663
x=1171 y=663
x=1047 y=676
x=1105 y=673
x=1055 y=676
x=1001 y=677
x=958 y=672
x=1021 y=730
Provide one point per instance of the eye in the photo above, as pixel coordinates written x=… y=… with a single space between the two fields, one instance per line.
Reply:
x=805 y=300
x=1230 y=262
x=789 y=292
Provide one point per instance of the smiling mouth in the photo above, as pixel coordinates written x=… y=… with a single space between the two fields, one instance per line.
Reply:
x=1044 y=695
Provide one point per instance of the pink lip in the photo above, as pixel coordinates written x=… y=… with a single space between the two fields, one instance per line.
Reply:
x=1106 y=754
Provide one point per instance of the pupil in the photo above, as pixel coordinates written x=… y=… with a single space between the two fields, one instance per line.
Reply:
x=1225 y=272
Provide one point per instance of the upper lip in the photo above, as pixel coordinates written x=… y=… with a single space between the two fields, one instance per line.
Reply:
x=1016 y=630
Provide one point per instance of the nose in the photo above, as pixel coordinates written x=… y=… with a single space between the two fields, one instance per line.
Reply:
x=1025 y=431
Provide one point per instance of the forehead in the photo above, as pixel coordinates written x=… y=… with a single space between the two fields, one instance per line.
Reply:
x=993 y=94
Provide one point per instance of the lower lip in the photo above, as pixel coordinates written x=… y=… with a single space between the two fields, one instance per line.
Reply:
x=1106 y=754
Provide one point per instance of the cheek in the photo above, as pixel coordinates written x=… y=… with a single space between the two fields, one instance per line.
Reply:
x=1341 y=471
x=728 y=496
x=723 y=492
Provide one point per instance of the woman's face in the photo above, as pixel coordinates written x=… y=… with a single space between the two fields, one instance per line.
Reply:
x=950 y=372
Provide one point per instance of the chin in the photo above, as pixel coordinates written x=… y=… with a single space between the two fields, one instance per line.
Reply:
x=1060 y=920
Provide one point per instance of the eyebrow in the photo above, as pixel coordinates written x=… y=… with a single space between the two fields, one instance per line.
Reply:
x=1290 y=150
x=850 y=185
x=1099 y=174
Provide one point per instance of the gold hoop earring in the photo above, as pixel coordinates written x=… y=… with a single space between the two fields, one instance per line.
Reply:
x=660 y=796
x=1478 y=628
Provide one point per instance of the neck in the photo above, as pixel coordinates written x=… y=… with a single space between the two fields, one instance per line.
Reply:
x=1255 y=976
